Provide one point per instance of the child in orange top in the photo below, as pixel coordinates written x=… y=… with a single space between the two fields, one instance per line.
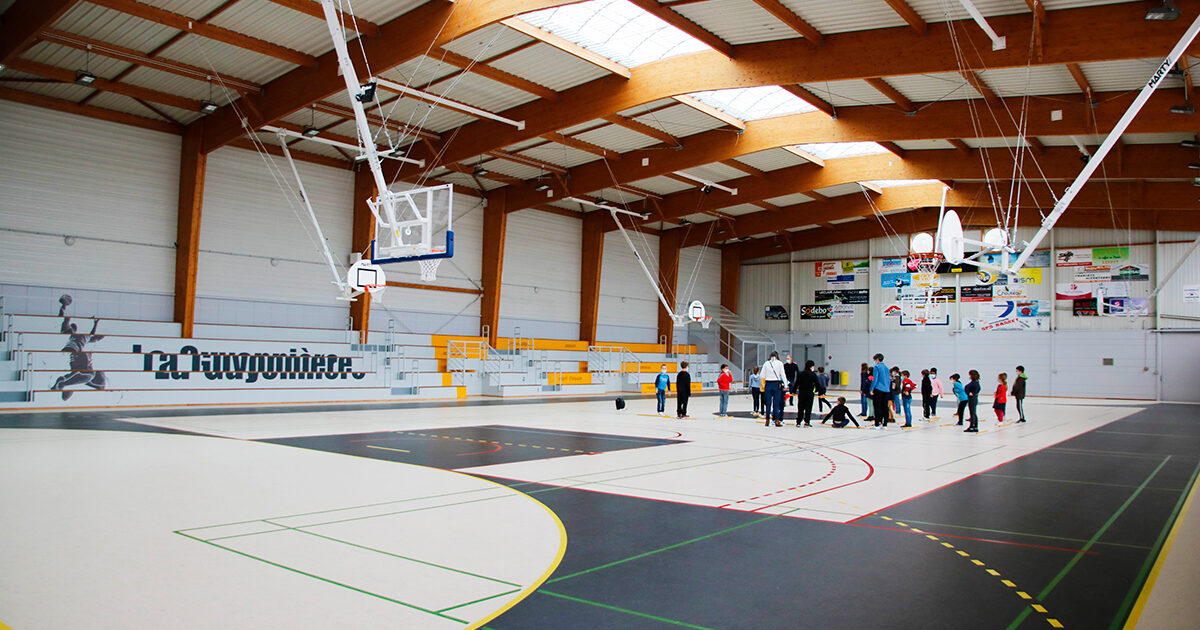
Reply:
x=906 y=390
x=1001 y=400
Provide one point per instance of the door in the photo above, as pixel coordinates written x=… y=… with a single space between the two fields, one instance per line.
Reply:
x=809 y=352
x=1180 y=363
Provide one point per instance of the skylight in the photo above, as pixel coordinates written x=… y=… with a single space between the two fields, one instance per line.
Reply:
x=755 y=103
x=835 y=150
x=617 y=30
x=896 y=183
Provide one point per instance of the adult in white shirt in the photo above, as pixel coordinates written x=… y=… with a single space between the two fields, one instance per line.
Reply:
x=773 y=378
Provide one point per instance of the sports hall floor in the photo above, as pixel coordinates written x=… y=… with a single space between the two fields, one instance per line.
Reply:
x=573 y=515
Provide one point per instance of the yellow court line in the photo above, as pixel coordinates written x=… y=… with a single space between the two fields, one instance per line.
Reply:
x=384 y=448
x=1140 y=605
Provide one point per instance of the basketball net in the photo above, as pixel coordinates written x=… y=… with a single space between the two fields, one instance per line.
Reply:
x=429 y=269
x=920 y=308
x=375 y=291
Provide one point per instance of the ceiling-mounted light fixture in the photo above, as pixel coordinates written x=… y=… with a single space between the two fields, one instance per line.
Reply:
x=1165 y=11
x=207 y=107
x=1190 y=144
x=480 y=171
x=366 y=92
x=310 y=132
x=85 y=77
x=1195 y=165
x=683 y=222
x=542 y=187
x=1185 y=109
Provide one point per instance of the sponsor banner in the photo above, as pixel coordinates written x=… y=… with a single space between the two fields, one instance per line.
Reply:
x=815 y=311
x=1039 y=258
x=1191 y=294
x=1093 y=273
x=1085 y=307
x=1016 y=291
x=825 y=268
x=843 y=311
x=977 y=294
x=844 y=281
x=775 y=311
x=1127 y=305
x=949 y=293
x=1004 y=309
x=895 y=280
x=1106 y=255
x=1073 y=290
x=891 y=310
x=1131 y=272
x=1073 y=258
x=1027 y=275
x=893 y=265
x=843 y=296
x=856 y=267
x=1114 y=289
x=1009 y=323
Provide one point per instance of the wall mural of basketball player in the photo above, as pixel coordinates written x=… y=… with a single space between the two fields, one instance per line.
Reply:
x=82 y=371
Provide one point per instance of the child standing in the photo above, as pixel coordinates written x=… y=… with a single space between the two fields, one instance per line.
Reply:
x=938 y=390
x=972 y=390
x=864 y=387
x=960 y=394
x=723 y=382
x=1001 y=400
x=662 y=385
x=897 y=386
x=926 y=394
x=683 y=390
x=822 y=389
x=1018 y=391
x=756 y=388
x=906 y=391
x=841 y=415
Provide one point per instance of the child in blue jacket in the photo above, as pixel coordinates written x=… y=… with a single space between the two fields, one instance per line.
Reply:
x=662 y=385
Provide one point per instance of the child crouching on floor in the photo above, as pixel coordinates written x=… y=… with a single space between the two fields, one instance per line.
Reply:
x=841 y=415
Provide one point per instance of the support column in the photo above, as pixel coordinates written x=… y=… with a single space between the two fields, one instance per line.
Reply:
x=360 y=241
x=495 y=224
x=591 y=260
x=668 y=277
x=192 y=166
x=731 y=276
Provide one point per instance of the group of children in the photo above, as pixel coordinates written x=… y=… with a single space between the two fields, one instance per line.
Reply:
x=886 y=393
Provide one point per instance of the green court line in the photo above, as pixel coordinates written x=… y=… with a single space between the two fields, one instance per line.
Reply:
x=481 y=599
x=1085 y=483
x=1041 y=596
x=1023 y=534
x=1173 y=435
x=1140 y=581
x=326 y=580
x=393 y=555
x=967 y=457
x=1088 y=451
x=661 y=549
x=624 y=610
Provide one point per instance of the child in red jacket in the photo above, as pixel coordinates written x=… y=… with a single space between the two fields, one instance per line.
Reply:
x=1001 y=400
x=723 y=383
x=906 y=390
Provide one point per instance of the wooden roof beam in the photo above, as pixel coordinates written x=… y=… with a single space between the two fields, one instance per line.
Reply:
x=793 y=21
x=643 y=129
x=313 y=9
x=977 y=82
x=68 y=76
x=345 y=112
x=195 y=27
x=812 y=99
x=527 y=161
x=1081 y=80
x=709 y=110
x=497 y=75
x=805 y=155
x=905 y=11
x=24 y=21
x=121 y=53
x=885 y=88
x=745 y=168
x=571 y=48
x=89 y=111
x=960 y=145
x=666 y=14
x=586 y=147
x=938 y=120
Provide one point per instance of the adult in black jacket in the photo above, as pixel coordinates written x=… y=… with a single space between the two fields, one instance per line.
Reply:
x=804 y=388
x=683 y=389
x=791 y=371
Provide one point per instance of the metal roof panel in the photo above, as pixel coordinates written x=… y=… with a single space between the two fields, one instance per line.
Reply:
x=736 y=21
x=549 y=66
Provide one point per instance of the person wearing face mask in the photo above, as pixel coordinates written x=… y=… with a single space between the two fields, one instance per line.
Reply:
x=662 y=385
x=723 y=383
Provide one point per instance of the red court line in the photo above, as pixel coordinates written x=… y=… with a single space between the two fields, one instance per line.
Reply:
x=988 y=540
x=870 y=473
x=498 y=447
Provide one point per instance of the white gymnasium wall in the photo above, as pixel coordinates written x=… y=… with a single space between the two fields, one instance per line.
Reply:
x=763 y=284
x=1174 y=312
x=113 y=187
x=1070 y=361
x=439 y=312
x=542 y=252
x=628 y=309
x=699 y=279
